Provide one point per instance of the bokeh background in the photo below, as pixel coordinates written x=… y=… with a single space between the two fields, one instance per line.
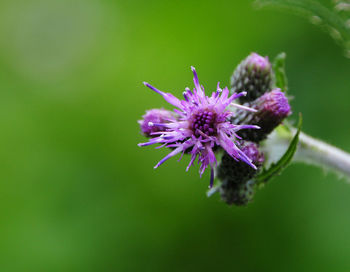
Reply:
x=77 y=194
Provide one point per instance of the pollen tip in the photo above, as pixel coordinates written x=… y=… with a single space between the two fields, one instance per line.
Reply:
x=193 y=69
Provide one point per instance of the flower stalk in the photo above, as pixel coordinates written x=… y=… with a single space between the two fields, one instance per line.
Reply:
x=310 y=150
x=317 y=152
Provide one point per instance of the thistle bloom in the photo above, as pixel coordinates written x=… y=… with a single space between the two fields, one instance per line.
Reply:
x=271 y=109
x=155 y=116
x=202 y=124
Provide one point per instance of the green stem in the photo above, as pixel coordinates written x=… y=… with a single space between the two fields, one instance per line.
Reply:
x=313 y=151
x=309 y=150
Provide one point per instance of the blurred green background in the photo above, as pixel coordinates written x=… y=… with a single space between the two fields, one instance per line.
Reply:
x=77 y=194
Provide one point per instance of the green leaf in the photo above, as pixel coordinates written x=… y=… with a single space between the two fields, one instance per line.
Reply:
x=280 y=73
x=277 y=168
x=331 y=18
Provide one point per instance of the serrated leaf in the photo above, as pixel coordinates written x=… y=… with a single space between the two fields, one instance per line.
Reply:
x=280 y=72
x=277 y=168
x=331 y=18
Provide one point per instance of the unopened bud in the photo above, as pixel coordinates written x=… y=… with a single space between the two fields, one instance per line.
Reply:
x=254 y=76
x=237 y=186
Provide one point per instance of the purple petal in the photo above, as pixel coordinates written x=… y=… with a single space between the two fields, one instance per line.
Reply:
x=171 y=154
x=195 y=78
x=243 y=107
x=211 y=177
x=167 y=96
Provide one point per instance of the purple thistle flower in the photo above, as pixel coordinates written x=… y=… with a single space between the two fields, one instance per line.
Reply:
x=202 y=124
x=155 y=116
x=271 y=109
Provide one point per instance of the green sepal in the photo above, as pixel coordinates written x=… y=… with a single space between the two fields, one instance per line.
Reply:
x=278 y=167
x=280 y=72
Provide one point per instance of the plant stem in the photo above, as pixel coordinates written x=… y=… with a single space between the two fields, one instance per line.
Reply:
x=313 y=151
x=309 y=150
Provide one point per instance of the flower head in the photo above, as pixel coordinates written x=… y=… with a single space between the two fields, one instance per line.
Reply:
x=237 y=183
x=202 y=124
x=271 y=109
x=236 y=171
x=157 y=116
x=253 y=75
x=275 y=103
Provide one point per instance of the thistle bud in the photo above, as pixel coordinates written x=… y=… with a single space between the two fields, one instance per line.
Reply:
x=272 y=108
x=254 y=76
x=237 y=186
x=237 y=194
x=153 y=119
